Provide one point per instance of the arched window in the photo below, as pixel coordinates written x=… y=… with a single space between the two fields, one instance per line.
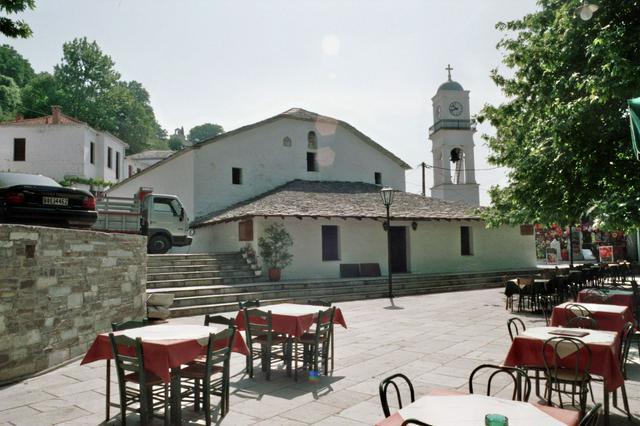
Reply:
x=286 y=141
x=312 y=140
x=456 y=157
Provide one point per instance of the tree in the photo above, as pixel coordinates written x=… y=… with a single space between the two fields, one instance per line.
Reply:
x=15 y=28
x=564 y=132
x=9 y=97
x=14 y=65
x=203 y=132
x=175 y=143
x=39 y=94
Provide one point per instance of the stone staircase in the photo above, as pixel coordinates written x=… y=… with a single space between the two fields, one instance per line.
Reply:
x=211 y=283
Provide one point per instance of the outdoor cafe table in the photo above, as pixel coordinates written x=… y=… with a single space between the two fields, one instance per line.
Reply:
x=450 y=408
x=609 y=317
x=526 y=350
x=165 y=347
x=611 y=296
x=291 y=318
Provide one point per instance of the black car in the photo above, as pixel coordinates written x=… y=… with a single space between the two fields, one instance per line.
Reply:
x=36 y=199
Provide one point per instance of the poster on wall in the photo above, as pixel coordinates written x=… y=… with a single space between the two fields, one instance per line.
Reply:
x=606 y=254
x=552 y=256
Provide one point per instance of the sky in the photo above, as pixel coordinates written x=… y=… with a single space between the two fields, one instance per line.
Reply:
x=372 y=63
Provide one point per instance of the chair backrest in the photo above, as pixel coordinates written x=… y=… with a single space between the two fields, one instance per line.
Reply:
x=521 y=383
x=324 y=322
x=525 y=281
x=318 y=303
x=511 y=288
x=219 y=353
x=249 y=304
x=384 y=385
x=515 y=326
x=583 y=322
x=414 y=422
x=593 y=295
x=257 y=324
x=218 y=319
x=591 y=418
x=625 y=343
x=126 y=325
x=128 y=363
x=576 y=310
x=555 y=354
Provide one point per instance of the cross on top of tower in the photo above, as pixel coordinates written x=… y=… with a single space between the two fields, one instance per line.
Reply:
x=449 y=68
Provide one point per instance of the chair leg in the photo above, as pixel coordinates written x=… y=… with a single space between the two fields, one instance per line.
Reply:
x=166 y=405
x=196 y=395
x=295 y=360
x=625 y=401
x=206 y=390
x=331 y=337
x=108 y=390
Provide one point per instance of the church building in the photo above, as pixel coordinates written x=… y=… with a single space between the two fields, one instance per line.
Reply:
x=321 y=178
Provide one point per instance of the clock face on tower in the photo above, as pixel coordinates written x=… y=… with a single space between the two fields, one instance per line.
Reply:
x=455 y=108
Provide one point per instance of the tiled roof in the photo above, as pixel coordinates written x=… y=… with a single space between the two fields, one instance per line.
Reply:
x=151 y=154
x=39 y=121
x=359 y=200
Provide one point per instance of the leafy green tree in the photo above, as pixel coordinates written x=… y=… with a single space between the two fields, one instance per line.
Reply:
x=14 y=65
x=203 y=132
x=9 y=97
x=15 y=28
x=39 y=94
x=175 y=143
x=563 y=132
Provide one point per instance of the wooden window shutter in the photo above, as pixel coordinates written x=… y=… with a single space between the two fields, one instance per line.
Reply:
x=245 y=230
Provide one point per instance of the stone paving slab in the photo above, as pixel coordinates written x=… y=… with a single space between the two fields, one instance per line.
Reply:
x=434 y=339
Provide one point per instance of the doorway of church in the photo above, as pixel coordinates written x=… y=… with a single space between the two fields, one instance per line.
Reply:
x=398 y=249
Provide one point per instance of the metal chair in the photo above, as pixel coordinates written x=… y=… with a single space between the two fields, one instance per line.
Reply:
x=326 y=304
x=576 y=310
x=117 y=326
x=511 y=289
x=591 y=418
x=315 y=345
x=144 y=394
x=198 y=379
x=261 y=341
x=625 y=343
x=218 y=319
x=583 y=322
x=515 y=326
x=521 y=382
x=561 y=373
x=414 y=422
x=384 y=385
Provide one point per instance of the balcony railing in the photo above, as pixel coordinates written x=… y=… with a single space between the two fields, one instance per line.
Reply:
x=452 y=124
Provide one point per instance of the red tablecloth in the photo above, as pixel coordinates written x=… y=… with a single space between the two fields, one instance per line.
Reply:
x=526 y=349
x=293 y=319
x=161 y=354
x=609 y=317
x=613 y=297
x=487 y=405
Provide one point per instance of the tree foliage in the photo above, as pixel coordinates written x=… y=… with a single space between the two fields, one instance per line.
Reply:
x=13 y=27
x=14 y=65
x=203 y=132
x=175 y=143
x=564 y=131
x=9 y=97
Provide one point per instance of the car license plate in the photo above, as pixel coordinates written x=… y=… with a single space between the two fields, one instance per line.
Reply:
x=55 y=201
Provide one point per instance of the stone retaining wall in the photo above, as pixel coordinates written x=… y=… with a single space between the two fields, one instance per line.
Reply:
x=61 y=287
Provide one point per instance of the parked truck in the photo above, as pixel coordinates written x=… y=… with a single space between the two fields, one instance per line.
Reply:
x=161 y=217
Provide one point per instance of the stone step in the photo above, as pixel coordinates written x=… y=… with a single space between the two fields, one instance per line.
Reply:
x=192 y=262
x=190 y=282
x=197 y=267
x=204 y=274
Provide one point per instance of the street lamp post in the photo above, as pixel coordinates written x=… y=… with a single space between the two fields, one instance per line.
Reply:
x=387 y=199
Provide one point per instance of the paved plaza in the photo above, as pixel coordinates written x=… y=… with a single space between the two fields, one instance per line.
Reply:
x=435 y=339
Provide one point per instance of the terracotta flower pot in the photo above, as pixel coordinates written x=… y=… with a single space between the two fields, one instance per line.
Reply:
x=274 y=274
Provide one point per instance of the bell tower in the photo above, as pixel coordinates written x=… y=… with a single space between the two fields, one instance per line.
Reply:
x=452 y=144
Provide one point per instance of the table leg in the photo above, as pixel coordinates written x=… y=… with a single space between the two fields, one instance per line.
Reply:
x=606 y=403
x=176 y=400
x=108 y=395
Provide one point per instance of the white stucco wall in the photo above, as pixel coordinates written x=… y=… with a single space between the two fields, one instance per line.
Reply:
x=175 y=178
x=266 y=163
x=434 y=247
x=51 y=150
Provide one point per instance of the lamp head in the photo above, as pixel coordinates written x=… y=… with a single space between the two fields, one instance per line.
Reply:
x=585 y=12
x=387 y=196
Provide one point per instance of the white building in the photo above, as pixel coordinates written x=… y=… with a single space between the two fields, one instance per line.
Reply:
x=58 y=146
x=321 y=178
x=144 y=159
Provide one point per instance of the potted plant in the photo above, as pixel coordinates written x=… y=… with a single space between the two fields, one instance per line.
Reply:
x=274 y=248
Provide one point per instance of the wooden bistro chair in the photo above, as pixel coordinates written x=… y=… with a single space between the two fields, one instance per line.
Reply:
x=315 y=345
x=331 y=337
x=262 y=341
x=118 y=326
x=218 y=319
x=390 y=381
x=130 y=369
x=249 y=304
x=519 y=378
x=201 y=380
x=566 y=379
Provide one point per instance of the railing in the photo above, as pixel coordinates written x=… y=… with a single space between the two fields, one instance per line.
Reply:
x=453 y=124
